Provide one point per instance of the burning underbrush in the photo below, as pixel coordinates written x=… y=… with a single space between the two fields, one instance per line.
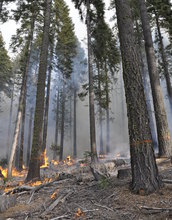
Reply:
x=76 y=189
x=52 y=169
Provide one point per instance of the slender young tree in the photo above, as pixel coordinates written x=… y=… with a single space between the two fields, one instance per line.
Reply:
x=65 y=51
x=34 y=165
x=62 y=120
x=163 y=56
x=145 y=178
x=29 y=137
x=164 y=140
x=21 y=109
x=93 y=8
x=106 y=57
x=57 y=125
x=45 y=127
x=78 y=75
x=91 y=89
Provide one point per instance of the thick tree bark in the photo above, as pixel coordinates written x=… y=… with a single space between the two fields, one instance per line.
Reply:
x=62 y=122
x=91 y=90
x=34 y=165
x=57 y=126
x=29 y=137
x=74 y=125
x=148 y=95
x=164 y=140
x=145 y=176
x=47 y=107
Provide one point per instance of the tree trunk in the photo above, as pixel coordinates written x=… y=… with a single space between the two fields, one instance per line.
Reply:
x=47 y=108
x=163 y=133
x=17 y=128
x=62 y=122
x=1 y=4
x=101 y=152
x=57 y=126
x=107 y=114
x=146 y=84
x=9 y=124
x=29 y=137
x=28 y=52
x=34 y=165
x=74 y=125
x=21 y=163
x=144 y=169
x=70 y=118
x=164 y=59
x=22 y=98
x=91 y=90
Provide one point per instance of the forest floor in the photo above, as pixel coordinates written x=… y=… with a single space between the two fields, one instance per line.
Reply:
x=74 y=194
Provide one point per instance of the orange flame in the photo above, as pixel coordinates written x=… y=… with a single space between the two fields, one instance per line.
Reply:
x=14 y=172
x=45 y=160
x=17 y=173
x=37 y=183
x=54 y=162
x=4 y=171
x=79 y=213
x=53 y=196
x=69 y=161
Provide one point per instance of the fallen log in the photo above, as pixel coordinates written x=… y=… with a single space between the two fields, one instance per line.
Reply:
x=167 y=181
x=19 y=189
x=60 y=199
x=62 y=176
x=6 y=202
x=155 y=210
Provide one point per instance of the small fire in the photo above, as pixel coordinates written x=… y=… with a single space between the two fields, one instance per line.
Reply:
x=7 y=189
x=53 y=196
x=4 y=171
x=79 y=213
x=37 y=183
x=23 y=167
x=14 y=172
x=69 y=161
x=45 y=160
x=55 y=162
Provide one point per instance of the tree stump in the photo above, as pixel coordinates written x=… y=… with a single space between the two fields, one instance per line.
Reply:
x=119 y=162
x=124 y=173
x=6 y=202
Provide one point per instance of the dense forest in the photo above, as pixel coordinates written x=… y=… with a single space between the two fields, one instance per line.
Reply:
x=56 y=92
